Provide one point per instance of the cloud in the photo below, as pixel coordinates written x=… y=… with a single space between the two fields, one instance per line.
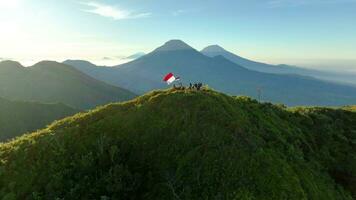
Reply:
x=106 y=58
x=112 y=11
x=178 y=12
x=295 y=3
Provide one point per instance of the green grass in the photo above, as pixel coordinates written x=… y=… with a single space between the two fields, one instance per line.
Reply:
x=186 y=145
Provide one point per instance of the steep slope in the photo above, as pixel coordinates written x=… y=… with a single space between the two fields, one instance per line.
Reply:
x=55 y=82
x=135 y=56
x=213 y=147
x=145 y=74
x=18 y=117
x=216 y=50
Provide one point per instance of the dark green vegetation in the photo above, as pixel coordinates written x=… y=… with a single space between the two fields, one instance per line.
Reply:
x=186 y=145
x=146 y=73
x=18 y=117
x=52 y=82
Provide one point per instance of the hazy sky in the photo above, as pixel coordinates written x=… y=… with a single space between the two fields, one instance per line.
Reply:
x=314 y=32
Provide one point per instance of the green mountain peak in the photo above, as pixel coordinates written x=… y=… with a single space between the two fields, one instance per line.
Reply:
x=186 y=144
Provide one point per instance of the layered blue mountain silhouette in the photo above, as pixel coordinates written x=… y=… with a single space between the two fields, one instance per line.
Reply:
x=52 y=82
x=145 y=74
x=216 y=50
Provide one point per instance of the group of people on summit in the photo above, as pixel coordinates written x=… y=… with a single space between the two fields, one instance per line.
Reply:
x=196 y=86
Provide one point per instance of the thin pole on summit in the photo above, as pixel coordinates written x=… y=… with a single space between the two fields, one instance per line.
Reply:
x=259 y=93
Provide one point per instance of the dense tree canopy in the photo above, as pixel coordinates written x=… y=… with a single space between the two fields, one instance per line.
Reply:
x=186 y=145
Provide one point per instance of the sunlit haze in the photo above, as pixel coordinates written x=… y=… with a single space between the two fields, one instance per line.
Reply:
x=313 y=33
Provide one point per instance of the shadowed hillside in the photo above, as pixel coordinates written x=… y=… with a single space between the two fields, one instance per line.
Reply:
x=17 y=117
x=53 y=82
x=186 y=145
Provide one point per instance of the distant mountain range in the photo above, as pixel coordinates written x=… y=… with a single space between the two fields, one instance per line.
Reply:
x=215 y=50
x=17 y=117
x=145 y=74
x=51 y=82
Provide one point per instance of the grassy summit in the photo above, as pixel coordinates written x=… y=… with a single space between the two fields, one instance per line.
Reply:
x=186 y=145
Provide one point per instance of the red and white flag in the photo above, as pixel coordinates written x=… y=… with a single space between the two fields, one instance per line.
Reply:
x=170 y=78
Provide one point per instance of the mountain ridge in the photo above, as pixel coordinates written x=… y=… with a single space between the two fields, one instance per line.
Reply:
x=50 y=81
x=342 y=78
x=213 y=48
x=173 y=45
x=135 y=56
x=145 y=74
